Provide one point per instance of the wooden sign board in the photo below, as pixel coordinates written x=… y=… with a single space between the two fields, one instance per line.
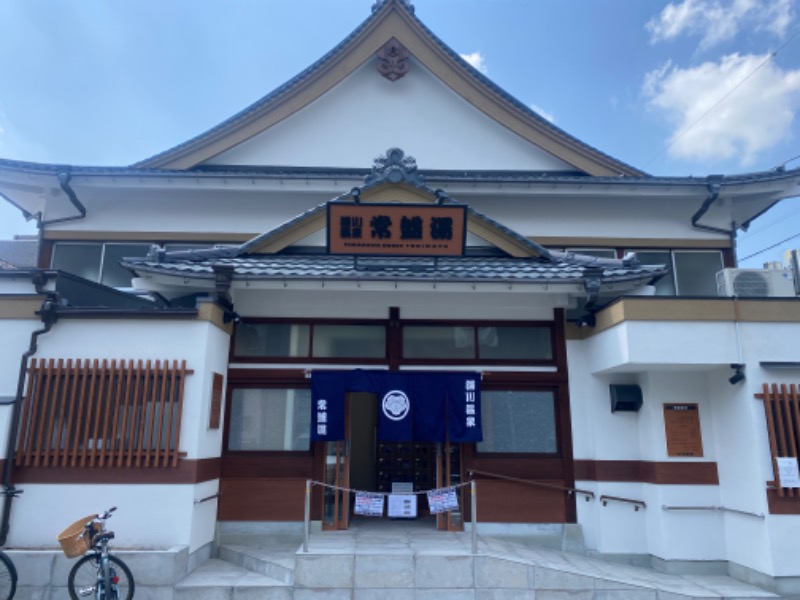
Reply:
x=682 y=426
x=216 y=401
x=396 y=229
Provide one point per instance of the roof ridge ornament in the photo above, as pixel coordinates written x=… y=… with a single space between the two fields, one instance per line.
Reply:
x=404 y=3
x=392 y=59
x=394 y=167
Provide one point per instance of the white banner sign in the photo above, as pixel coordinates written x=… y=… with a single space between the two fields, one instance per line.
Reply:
x=370 y=505
x=788 y=472
x=442 y=500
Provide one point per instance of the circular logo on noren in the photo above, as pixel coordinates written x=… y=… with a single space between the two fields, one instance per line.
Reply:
x=396 y=405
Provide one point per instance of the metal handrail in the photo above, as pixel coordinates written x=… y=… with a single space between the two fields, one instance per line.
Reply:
x=207 y=498
x=637 y=504
x=719 y=508
x=570 y=490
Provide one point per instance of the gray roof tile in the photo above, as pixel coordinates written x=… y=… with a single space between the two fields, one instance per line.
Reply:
x=445 y=269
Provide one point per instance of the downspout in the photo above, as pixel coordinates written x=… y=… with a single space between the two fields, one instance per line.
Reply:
x=48 y=315
x=713 y=193
x=64 y=177
x=714 y=190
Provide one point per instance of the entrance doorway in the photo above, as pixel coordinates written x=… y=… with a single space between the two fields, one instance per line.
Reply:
x=362 y=463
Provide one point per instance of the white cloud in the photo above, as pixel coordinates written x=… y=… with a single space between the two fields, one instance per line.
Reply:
x=542 y=112
x=716 y=21
x=477 y=60
x=754 y=117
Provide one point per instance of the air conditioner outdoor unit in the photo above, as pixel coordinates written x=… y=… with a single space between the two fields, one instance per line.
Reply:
x=755 y=283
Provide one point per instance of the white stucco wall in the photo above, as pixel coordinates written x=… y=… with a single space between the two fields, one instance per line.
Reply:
x=685 y=363
x=149 y=515
x=366 y=114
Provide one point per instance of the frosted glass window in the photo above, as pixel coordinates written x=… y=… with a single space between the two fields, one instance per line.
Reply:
x=272 y=339
x=349 y=341
x=438 y=342
x=82 y=260
x=515 y=343
x=518 y=422
x=696 y=272
x=270 y=419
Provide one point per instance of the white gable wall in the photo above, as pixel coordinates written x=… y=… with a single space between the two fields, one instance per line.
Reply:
x=366 y=114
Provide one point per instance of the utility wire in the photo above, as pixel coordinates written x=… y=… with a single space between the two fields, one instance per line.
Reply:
x=721 y=100
x=770 y=247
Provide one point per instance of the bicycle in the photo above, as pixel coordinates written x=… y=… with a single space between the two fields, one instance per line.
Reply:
x=8 y=572
x=99 y=571
x=8 y=577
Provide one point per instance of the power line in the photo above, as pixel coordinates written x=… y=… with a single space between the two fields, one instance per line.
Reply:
x=721 y=100
x=770 y=247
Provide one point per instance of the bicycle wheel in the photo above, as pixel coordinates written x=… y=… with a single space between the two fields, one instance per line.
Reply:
x=8 y=577
x=83 y=579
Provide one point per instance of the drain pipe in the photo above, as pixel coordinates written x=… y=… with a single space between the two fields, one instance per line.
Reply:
x=48 y=315
x=64 y=177
x=714 y=190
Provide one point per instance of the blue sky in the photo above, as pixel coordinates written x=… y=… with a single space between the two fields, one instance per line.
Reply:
x=689 y=87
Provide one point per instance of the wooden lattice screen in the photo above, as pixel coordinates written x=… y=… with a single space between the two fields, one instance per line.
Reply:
x=87 y=413
x=782 y=408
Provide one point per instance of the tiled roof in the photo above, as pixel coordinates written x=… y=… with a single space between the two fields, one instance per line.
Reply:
x=302 y=173
x=389 y=268
x=18 y=253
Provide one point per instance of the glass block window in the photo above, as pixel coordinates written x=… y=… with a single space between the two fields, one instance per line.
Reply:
x=518 y=422
x=270 y=420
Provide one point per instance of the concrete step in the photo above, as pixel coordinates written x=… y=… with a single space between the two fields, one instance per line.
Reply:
x=220 y=580
x=274 y=560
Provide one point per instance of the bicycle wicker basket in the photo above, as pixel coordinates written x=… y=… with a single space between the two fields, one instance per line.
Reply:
x=74 y=539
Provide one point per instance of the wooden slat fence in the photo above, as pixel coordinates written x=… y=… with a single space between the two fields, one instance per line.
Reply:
x=91 y=413
x=782 y=409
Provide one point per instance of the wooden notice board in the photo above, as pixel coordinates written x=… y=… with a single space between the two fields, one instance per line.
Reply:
x=216 y=401
x=682 y=426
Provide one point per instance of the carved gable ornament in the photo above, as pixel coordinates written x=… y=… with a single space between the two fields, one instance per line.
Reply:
x=392 y=59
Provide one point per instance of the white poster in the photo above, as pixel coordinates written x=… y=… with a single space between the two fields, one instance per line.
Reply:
x=442 y=500
x=402 y=506
x=370 y=505
x=788 y=472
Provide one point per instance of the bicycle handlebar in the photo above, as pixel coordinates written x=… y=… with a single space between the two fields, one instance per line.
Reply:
x=104 y=516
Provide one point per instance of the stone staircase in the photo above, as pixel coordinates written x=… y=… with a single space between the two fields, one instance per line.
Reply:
x=392 y=562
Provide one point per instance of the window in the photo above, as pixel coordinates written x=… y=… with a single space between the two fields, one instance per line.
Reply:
x=696 y=272
x=270 y=419
x=598 y=252
x=82 y=260
x=112 y=274
x=272 y=339
x=692 y=272
x=349 y=341
x=518 y=422
x=666 y=285
x=97 y=261
x=309 y=340
x=505 y=342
